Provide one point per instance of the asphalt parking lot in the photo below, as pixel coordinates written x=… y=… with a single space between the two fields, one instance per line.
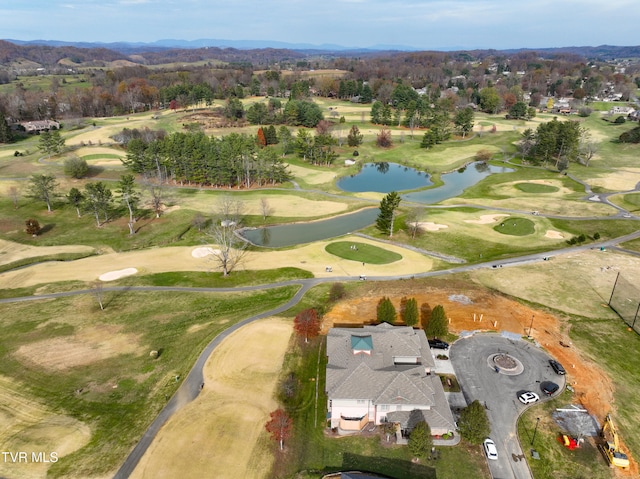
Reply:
x=526 y=369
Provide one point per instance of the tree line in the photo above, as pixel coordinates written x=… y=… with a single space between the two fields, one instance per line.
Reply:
x=231 y=161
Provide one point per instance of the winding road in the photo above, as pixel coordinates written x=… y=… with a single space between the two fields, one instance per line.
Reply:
x=479 y=381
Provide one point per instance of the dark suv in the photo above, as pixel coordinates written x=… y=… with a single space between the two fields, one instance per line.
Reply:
x=556 y=366
x=438 y=344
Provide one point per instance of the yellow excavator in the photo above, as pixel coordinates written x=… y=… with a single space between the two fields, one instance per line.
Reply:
x=611 y=446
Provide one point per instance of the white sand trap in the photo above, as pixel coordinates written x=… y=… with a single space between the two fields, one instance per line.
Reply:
x=204 y=251
x=553 y=234
x=121 y=273
x=431 y=226
x=486 y=219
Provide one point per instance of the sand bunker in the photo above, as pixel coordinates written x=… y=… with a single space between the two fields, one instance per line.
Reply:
x=204 y=251
x=486 y=219
x=431 y=226
x=553 y=234
x=121 y=273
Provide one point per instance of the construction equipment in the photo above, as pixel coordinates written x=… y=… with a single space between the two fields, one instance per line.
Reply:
x=569 y=442
x=611 y=446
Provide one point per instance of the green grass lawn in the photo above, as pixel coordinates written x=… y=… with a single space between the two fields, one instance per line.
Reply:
x=515 y=226
x=556 y=461
x=362 y=252
x=158 y=321
x=536 y=188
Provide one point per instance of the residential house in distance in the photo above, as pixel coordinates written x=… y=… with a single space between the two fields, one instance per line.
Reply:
x=384 y=373
x=37 y=126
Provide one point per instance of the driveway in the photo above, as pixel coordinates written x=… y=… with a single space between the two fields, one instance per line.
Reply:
x=525 y=368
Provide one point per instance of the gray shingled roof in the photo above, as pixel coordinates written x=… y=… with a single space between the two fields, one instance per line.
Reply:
x=375 y=377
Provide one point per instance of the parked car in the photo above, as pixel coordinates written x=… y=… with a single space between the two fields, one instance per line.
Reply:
x=490 y=449
x=528 y=397
x=556 y=366
x=438 y=344
x=549 y=388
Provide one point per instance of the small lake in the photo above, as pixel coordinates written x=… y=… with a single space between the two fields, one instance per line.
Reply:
x=384 y=177
x=456 y=182
x=300 y=233
x=381 y=179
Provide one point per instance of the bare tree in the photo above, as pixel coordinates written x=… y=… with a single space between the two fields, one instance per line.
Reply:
x=97 y=290
x=265 y=208
x=199 y=221
x=413 y=221
x=587 y=151
x=158 y=192
x=224 y=231
x=14 y=194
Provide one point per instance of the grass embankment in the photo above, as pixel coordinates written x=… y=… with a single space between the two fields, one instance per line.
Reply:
x=42 y=259
x=105 y=377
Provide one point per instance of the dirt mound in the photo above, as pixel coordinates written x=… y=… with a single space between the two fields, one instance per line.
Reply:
x=472 y=308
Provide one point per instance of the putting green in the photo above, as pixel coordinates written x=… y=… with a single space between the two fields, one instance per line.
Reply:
x=516 y=227
x=362 y=252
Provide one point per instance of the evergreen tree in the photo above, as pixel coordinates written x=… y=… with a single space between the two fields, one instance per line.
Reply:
x=6 y=136
x=271 y=136
x=420 y=442
x=376 y=113
x=386 y=217
x=286 y=140
x=98 y=199
x=409 y=311
x=474 y=424
x=464 y=121
x=438 y=325
x=42 y=187
x=354 y=138
x=386 y=312
x=75 y=198
x=425 y=315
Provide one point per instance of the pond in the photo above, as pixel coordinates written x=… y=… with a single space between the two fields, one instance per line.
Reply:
x=384 y=177
x=456 y=182
x=300 y=233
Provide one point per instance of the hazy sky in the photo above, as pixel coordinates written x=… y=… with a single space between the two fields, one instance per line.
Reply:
x=425 y=24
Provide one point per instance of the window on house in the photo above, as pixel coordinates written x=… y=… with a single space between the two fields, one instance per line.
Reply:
x=361 y=402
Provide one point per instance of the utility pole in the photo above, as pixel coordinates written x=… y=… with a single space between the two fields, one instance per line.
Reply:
x=531 y=324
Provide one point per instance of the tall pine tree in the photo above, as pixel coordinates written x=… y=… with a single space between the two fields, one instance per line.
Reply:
x=386 y=218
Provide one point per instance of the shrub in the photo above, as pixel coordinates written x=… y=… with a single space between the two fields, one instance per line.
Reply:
x=384 y=138
x=76 y=167
x=584 y=112
x=32 y=227
x=474 y=424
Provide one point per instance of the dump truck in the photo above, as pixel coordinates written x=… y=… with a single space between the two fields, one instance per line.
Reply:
x=611 y=445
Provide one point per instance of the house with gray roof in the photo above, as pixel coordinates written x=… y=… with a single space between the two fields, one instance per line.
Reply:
x=384 y=373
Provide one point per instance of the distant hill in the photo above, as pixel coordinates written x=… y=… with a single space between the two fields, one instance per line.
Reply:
x=50 y=53
x=216 y=43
